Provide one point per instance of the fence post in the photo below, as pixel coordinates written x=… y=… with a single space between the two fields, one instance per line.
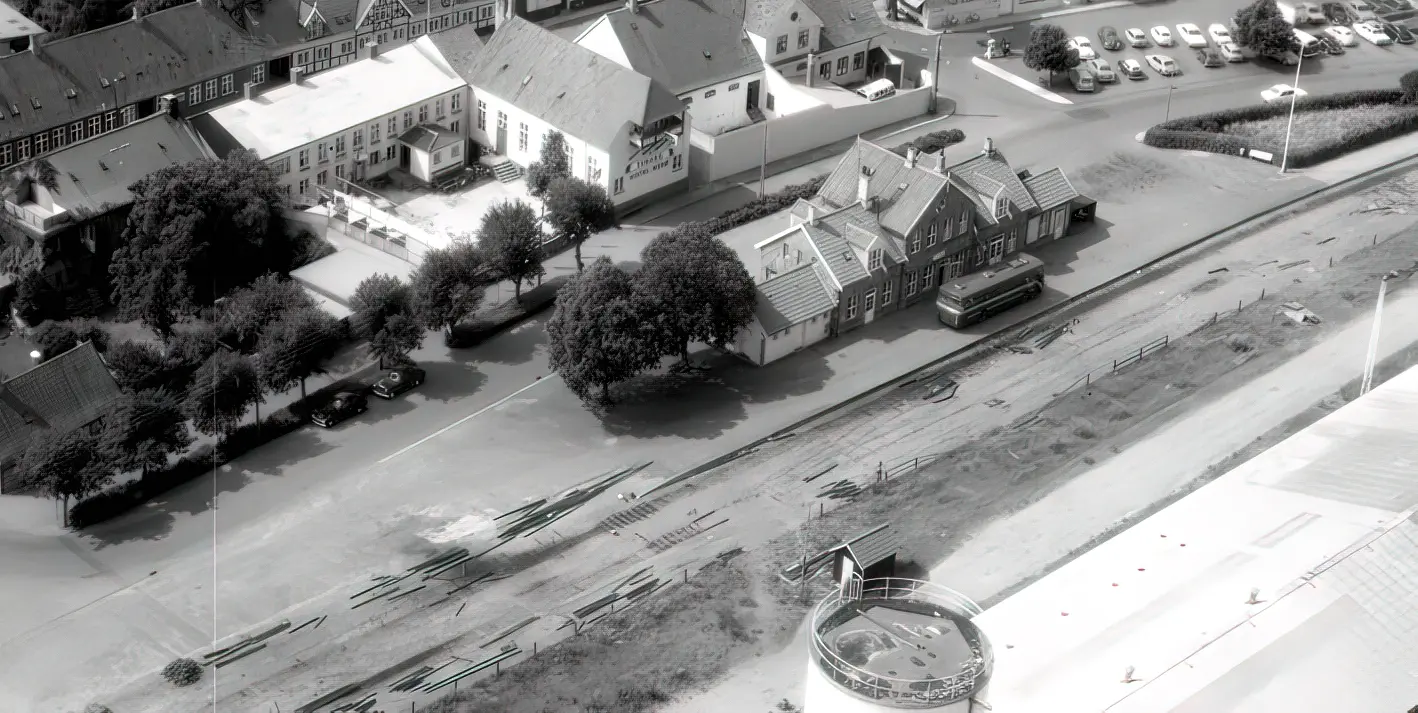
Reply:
x=1088 y=379
x=1238 y=305
x=1262 y=293
x=1139 y=352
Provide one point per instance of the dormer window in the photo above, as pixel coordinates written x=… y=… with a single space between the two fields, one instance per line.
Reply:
x=1001 y=205
x=876 y=258
x=34 y=102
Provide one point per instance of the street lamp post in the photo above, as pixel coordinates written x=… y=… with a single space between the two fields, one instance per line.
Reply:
x=1294 y=96
x=1170 y=89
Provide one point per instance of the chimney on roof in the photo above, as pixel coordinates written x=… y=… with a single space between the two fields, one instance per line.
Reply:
x=167 y=104
x=35 y=44
x=912 y=153
x=633 y=6
x=249 y=89
x=811 y=214
x=811 y=67
x=297 y=76
x=989 y=147
x=864 y=188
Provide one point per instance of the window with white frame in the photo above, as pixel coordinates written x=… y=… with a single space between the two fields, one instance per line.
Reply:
x=322 y=152
x=339 y=145
x=438 y=108
x=825 y=70
x=374 y=133
x=852 y=307
x=482 y=115
x=389 y=153
x=1011 y=242
x=194 y=95
x=619 y=185
x=357 y=139
x=522 y=137
x=322 y=178
x=931 y=230
x=455 y=103
x=841 y=66
x=501 y=119
x=211 y=89
x=258 y=74
x=408 y=120
x=964 y=221
x=859 y=60
x=58 y=135
x=304 y=159
x=339 y=170
x=955 y=265
x=803 y=36
x=228 y=84
x=281 y=165
x=22 y=150
x=304 y=185
x=782 y=44
x=7 y=155
x=110 y=121
x=423 y=113
x=869 y=300
x=95 y=125
x=1001 y=204
x=41 y=143
x=393 y=127
x=915 y=241
x=76 y=132
x=128 y=114
x=876 y=258
x=886 y=293
x=910 y=283
x=996 y=253
x=927 y=277
x=1044 y=223
x=949 y=227
x=453 y=126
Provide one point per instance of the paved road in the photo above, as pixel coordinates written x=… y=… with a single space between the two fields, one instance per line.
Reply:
x=306 y=515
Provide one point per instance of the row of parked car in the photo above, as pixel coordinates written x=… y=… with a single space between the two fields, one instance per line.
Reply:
x=348 y=404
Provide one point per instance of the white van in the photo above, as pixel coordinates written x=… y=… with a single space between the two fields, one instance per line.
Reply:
x=1309 y=46
x=879 y=89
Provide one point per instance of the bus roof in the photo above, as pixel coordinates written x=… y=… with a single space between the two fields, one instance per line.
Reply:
x=977 y=281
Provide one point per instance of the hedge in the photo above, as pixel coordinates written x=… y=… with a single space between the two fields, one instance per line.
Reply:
x=503 y=316
x=116 y=501
x=754 y=209
x=1203 y=131
x=932 y=142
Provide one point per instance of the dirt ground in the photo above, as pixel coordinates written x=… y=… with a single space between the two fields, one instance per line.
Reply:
x=684 y=639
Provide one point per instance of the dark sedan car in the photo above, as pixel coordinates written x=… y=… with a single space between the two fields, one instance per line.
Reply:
x=1397 y=33
x=1337 y=14
x=1331 y=46
x=1109 y=39
x=398 y=381
x=344 y=406
x=1210 y=57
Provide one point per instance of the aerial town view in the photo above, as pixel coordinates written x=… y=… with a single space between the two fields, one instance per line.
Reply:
x=708 y=356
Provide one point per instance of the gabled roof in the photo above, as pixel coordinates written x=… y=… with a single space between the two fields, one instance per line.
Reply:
x=858 y=226
x=573 y=89
x=118 y=65
x=843 y=261
x=873 y=546
x=793 y=298
x=13 y=25
x=902 y=193
x=460 y=48
x=94 y=175
x=844 y=22
x=71 y=390
x=986 y=173
x=683 y=44
x=760 y=16
x=1051 y=188
x=429 y=137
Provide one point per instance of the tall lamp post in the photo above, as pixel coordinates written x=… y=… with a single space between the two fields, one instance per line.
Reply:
x=1294 y=96
x=1170 y=89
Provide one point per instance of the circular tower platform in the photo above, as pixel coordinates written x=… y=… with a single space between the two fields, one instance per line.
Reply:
x=902 y=644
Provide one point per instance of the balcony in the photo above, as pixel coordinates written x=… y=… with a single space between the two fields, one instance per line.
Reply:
x=37 y=220
x=671 y=126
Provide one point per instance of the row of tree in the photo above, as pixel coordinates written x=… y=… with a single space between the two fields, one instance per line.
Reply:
x=610 y=325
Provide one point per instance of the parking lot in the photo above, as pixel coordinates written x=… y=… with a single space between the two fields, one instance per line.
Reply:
x=1357 y=60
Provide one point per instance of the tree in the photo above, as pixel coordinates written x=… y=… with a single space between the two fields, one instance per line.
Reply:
x=1409 y=84
x=1247 y=17
x=224 y=386
x=393 y=343
x=144 y=429
x=696 y=289
x=578 y=210
x=596 y=337
x=54 y=338
x=295 y=346
x=247 y=310
x=196 y=231
x=66 y=464
x=1262 y=28
x=554 y=163
x=448 y=286
x=1048 y=51
x=139 y=366
x=511 y=238
x=375 y=300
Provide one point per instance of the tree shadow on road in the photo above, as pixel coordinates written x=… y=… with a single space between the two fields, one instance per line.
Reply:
x=1059 y=255
x=449 y=380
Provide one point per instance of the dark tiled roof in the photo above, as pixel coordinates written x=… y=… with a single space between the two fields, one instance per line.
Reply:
x=903 y=194
x=984 y=174
x=166 y=51
x=94 y=175
x=842 y=259
x=568 y=86
x=1050 y=188
x=793 y=297
x=71 y=390
x=460 y=47
x=339 y=15
x=428 y=137
x=858 y=227
x=844 y=22
x=684 y=44
x=873 y=546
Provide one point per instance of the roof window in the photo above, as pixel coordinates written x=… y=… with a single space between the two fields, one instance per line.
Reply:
x=34 y=102
x=14 y=109
x=103 y=165
x=70 y=93
x=103 y=82
x=122 y=76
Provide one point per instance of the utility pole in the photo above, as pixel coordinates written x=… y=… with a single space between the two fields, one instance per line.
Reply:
x=935 y=78
x=1295 y=94
x=1372 y=358
x=763 y=163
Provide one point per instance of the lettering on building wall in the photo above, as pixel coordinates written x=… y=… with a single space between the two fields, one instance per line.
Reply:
x=383 y=15
x=652 y=157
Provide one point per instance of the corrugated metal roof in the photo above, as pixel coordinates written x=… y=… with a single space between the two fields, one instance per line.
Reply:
x=71 y=390
x=686 y=45
x=873 y=546
x=1050 y=188
x=793 y=297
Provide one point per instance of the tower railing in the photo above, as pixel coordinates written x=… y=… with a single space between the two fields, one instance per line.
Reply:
x=911 y=693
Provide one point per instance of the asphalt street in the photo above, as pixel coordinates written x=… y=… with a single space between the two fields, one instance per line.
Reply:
x=303 y=517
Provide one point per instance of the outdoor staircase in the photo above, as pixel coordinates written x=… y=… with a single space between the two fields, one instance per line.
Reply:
x=507 y=171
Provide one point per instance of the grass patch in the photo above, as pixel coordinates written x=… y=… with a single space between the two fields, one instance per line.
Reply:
x=1321 y=127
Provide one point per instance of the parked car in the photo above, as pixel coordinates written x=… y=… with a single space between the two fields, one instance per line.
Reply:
x=1219 y=33
x=1084 y=48
x=1361 y=10
x=1281 y=92
x=1231 y=52
x=1102 y=71
x=1397 y=33
x=1108 y=38
x=1331 y=46
x=1287 y=58
x=1310 y=14
x=1337 y=13
x=1210 y=57
x=1162 y=36
x=1131 y=69
x=1163 y=65
x=1341 y=34
x=1373 y=33
x=398 y=381
x=1136 y=38
x=1191 y=35
x=345 y=405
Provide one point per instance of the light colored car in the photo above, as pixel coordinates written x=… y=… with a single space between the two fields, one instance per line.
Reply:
x=1132 y=69
x=1136 y=37
x=1191 y=35
x=1219 y=33
x=1102 y=71
x=1084 y=47
x=1310 y=13
x=1162 y=36
x=1163 y=65
x=1372 y=33
x=1341 y=34
x=1361 y=10
x=1281 y=92
x=1231 y=52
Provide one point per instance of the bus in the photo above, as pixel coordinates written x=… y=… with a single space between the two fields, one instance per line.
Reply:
x=978 y=296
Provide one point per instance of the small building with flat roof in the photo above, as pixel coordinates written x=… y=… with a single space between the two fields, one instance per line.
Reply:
x=347 y=124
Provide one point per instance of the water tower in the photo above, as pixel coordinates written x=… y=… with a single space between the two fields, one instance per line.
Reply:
x=879 y=643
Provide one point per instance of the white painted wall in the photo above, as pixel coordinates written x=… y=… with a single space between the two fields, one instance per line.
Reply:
x=787 y=98
x=601 y=39
x=724 y=105
x=806 y=20
x=753 y=342
x=419 y=165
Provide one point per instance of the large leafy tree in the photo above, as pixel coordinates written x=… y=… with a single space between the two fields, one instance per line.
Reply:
x=54 y=338
x=1048 y=51
x=448 y=286
x=247 y=310
x=222 y=389
x=511 y=239
x=296 y=346
x=196 y=231
x=392 y=344
x=596 y=337
x=1261 y=27
x=554 y=163
x=375 y=300
x=1247 y=17
x=696 y=289
x=144 y=429
x=66 y=464
x=578 y=209
x=139 y=366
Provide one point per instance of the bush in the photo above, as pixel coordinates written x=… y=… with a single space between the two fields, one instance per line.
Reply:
x=932 y=142
x=1408 y=83
x=182 y=672
x=754 y=209
x=307 y=247
x=54 y=338
x=35 y=300
x=499 y=317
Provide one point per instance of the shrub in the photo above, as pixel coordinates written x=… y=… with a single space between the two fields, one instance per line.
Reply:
x=502 y=316
x=182 y=672
x=35 y=300
x=307 y=247
x=754 y=209
x=1408 y=83
x=97 y=708
x=932 y=142
x=54 y=338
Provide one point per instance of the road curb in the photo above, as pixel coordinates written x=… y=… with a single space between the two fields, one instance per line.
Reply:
x=1251 y=224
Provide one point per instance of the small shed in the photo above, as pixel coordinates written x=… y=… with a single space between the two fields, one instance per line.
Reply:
x=430 y=151
x=872 y=554
x=1082 y=210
